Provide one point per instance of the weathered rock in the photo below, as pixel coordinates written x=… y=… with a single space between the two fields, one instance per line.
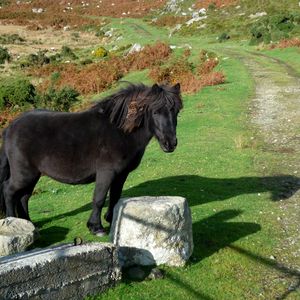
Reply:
x=153 y=230
x=135 y=48
x=16 y=235
x=60 y=272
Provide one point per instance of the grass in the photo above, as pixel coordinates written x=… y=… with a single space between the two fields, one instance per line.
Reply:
x=217 y=167
x=234 y=229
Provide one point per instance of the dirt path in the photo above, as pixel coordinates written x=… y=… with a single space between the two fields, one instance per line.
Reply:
x=275 y=112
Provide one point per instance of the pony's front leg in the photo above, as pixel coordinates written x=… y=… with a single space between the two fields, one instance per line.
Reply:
x=103 y=182
x=115 y=194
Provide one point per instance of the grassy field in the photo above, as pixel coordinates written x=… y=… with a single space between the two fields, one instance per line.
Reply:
x=217 y=166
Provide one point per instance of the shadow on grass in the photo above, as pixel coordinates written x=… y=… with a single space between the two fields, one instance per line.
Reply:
x=51 y=235
x=210 y=235
x=198 y=190
x=273 y=264
x=215 y=232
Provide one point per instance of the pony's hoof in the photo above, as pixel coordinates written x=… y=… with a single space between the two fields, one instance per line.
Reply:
x=100 y=232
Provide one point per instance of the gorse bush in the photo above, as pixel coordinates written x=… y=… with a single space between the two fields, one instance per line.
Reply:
x=4 y=55
x=58 y=99
x=16 y=92
x=100 y=52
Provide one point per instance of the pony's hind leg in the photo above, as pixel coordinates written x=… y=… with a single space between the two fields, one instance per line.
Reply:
x=16 y=195
x=22 y=204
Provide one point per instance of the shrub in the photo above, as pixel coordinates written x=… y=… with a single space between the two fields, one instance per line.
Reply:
x=66 y=52
x=100 y=52
x=59 y=100
x=286 y=43
x=223 y=37
x=86 y=61
x=38 y=59
x=207 y=66
x=170 y=21
x=11 y=39
x=182 y=71
x=16 y=92
x=4 y=55
x=273 y=28
x=151 y=55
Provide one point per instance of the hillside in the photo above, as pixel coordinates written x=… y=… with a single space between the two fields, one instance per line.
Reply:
x=237 y=160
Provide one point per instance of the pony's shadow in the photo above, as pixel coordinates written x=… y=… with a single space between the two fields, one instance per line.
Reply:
x=199 y=190
x=50 y=235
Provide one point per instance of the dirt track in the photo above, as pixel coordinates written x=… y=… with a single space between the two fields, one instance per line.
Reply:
x=275 y=113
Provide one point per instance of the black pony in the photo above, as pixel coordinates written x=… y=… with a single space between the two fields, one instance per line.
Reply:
x=102 y=144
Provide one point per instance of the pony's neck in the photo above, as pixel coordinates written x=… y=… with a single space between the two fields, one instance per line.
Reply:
x=143 y=134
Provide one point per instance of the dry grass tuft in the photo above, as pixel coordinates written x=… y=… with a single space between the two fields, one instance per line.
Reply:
x=287 y=43
x=96 y=77
x=57 y=14
x=181 y=70
x=215 y=3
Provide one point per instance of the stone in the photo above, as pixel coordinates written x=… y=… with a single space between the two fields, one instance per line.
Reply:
x=135 y=48
x=16 y=235
x=152 y=231
x=257 y=15
x=60 y=272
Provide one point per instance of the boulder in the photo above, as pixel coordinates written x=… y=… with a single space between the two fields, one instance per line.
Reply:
x=152 y=231
x=16 y=235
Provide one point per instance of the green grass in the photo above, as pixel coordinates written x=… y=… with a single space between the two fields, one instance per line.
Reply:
x=214 y=168
x=291 y=56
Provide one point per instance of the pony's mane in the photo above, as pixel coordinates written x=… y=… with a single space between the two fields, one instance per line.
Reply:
x=127 y=107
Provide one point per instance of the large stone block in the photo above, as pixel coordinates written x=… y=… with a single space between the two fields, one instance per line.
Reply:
x=61 y=272
x=152 y=230
x=16 y=235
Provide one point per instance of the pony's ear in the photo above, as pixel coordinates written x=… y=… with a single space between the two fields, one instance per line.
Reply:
x=176 y=87
x=156 y=88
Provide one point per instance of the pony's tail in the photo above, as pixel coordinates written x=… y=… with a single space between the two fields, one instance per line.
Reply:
x=4 y=175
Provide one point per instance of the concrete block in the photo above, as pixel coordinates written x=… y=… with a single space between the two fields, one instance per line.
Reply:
x=61 y=272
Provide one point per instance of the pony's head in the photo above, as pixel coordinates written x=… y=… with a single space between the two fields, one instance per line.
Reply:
x=138 y=106
x=164 y=108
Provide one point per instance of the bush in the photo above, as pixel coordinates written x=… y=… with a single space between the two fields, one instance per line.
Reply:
x=223 y=37
x=11 y=39
x=16 y=92
x=4 y=55
x=273 y=28
x=100 y=52
x=38 y=59
x=59 y=100
x=66 y=52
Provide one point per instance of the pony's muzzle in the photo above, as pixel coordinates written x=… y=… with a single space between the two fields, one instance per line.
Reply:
x=169 y=146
